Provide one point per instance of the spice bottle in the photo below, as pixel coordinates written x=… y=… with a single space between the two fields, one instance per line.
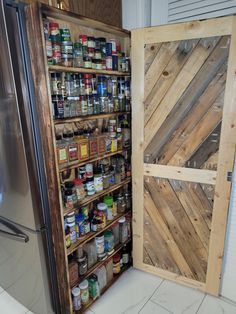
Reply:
x=116 y=264
x=83 y=265
x=62 y=150
x=108 y=200
x=98 y=180
x=123 y=230
x=125 y=255
x=102 y=212
x=84 y=292
x=78 y=55
x=76 y=299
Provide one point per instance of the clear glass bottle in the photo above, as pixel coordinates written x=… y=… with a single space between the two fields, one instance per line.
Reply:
x=78 y=56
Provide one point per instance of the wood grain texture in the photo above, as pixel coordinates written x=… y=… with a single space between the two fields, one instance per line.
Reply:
x=38 y=64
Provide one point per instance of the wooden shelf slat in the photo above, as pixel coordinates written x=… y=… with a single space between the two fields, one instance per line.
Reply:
x=77 y=164
x=91 y=235
x=91 y=117
x=96 y=196
x=60 y=68
x=115 y=278
x=100 y=263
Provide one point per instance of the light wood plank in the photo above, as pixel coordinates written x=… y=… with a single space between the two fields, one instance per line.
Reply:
x=180 y=173
x=190 y=30
x=225 y=164
x=150 y=54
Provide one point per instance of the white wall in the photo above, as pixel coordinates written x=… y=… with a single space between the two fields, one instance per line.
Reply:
x=141 y=13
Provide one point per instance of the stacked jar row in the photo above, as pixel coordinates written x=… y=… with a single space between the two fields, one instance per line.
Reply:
x=97 y=281
x=94 y=218
x=86 y=94
x=84 y=144
x=87 y=52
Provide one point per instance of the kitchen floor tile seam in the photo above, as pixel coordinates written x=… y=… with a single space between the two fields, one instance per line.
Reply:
x=152 y=294
x=162 y=306
x=201 y=303
x=231 y=302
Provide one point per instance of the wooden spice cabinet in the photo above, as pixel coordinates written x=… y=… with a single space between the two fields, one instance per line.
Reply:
x=183 y=143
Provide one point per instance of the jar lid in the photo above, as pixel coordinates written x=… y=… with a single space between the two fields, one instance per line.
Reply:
x=71 y=224
x=75 y=291
x=82 y=259
x=66 y=56
x=108 y=200
x=77 y=181
x=77 y=45
x=84 y=284
x=108 y=233
x=67 y=43
x=70 y=214
x=122 y=220
x=53 y=24
x=102 y=206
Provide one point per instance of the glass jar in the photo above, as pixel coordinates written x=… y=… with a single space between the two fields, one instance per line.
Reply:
x=110 y=105
x=100 y=245
x=123 y=230
x=58 y=106
x=98 y=180
x=72 y=232
x=87 y=62
x=128 y=200
x=116 y=264
x=79 y=189
x=84 y=292
x=84 y=105
x=121 y=204
x=109 y=270
x=87 y=226
x=102 y=212
x=56 y=83
x=83 y=265
x=76 y=299
x=67 y=236
x=96 y=105
x=125 y=255
x=116 y=104
x=62 y=150
x=70 y=218
x=90 y=105
x=91 y=54
x=108 y=200
x=80 y=230
x=109 y=242
x=67 y=60
x=103 y=101
x=69 y=199
x=114 y=208
x=89 y=170
x=72 y=148
x=101 y=86
x=91 y=42
x=116 y=232
x=90 y=186
x=67 y=48
x=78 y=55
x=81 y=84
x=106 y=180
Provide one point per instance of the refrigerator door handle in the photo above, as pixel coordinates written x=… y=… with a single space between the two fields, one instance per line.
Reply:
x=16 y=234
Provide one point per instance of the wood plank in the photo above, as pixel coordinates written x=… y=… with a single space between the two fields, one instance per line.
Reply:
x=225 y=164
x=150 y=54
x=200 y=94
x=156 y=248
x=167 y=236
x=180 y=173
x=189 y=30
x=186 y=75
x=137 y=58
x=168 y=76
x=162 y=58
x=179 y=225
x=186 y=195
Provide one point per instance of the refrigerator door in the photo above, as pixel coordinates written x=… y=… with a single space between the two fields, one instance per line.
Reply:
x=20 y=191
x=23 y=270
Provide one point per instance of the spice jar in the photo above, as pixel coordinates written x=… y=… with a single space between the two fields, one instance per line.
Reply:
x=70 y=218
x=93 y=147
x=123 y=229
x=84 y=292
x=98 y=180
x=83 y=149
x=108 y=200
x=90 y=186
x=89 y=170
x=116 y=264
x=109 y=242
x=106 y=180
x=69 y=199
x=125 y=255
x=93 y=287
x=83 y=265
x=86 y=226
x=116 y=233
x=76 y=299
x=58 y=106
x=67 y=235
x=56 y=83
x=72 y=232
x=78 y=55
x=100 y=245
x=66 y=60
x=121 y=205
x=102 y=212
x=87 y=62
x=128 y=200
x=79 y=189
x=80 y=230
x=72 y=148
x=62 y=152
x=103 y=104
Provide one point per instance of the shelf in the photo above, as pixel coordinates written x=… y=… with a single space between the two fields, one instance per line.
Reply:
x=91 y=235
x=100 y=263
x=77 y=164
x=59 y=68
x=115 y=278
x=91 y=117
x=90 y=199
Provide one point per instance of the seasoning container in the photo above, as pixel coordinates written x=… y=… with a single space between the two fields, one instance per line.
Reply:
x=108 y=200
x=116 y=264
x=72 y=232
x=67 y=236
x=90 y=186
x=94 y=224
x=109 y=270
x=73 y=273
x=62 y=152
x=86 y=226
x=83 y=265
x=114 y=62
x=116 y=233
x=70 y=218
x=87 y=62
x=69 y=199
x=76 y=299
x=123 y=230
x=84 y=292
x=78 y=55
x=109 y=242
x=113 y=46
x=98 y=180
x=103 y=104
x=121 y=205
x=102 y=277
x=102 y=213
x=119 y=137
x=83 y=39
x=114 y=208
x=79 y=189
x=84 y=105
x=106 y=180
x=58 y=106
x=90 y=42
x=83 y=149
x=100 y=245
x=89 y=170
x=93 y=147
x=128 y=200
x=90 y=249
x=125 y=255
x=56 y=83
x=72 y=148
x=109 y=63
x=80 y=230
x=101 y=145
x=85 y=211
x=93 y=287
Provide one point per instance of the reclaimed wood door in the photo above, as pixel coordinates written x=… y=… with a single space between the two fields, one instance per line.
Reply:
x=184 y=136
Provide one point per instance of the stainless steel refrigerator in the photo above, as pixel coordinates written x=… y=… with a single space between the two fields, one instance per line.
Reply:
x=27 y=269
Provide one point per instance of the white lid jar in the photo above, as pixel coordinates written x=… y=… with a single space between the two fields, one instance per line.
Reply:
x=76 y=298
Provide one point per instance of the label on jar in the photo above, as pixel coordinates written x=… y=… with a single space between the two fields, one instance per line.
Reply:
x=87 y=227
x=62 y=155
x=98 y=183
x=73 y=235
x=90 y=188
x=109 y=63
x=73 y=154
x=84 y=296
x=125 y=258
x=100 y=245
x=114 y=145
x=88 y=64
x=83 y=151
x=76 y=303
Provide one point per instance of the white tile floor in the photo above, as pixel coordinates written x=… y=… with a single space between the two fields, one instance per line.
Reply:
x=138 y=292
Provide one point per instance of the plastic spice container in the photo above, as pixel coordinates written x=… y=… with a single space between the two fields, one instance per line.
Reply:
x=109 y=241
x=90 y=42
x=123 y=229
x=84 y=292
x=86 y=226
x=83 y=265
x=70 y=218
x=72 y=232
x=121 y=205
x=106 y=180
x=79 y=189
x=80 y=230
x=76 y=299
x=93 y=287
x=98 y=180
x=67 y=60
x=116 y=232
x=85 y=211
x=108 y=200
x=100 y=245
x=65 y=34
x=78 y=61
x=67 y=48
x=102 y=212
x=62 y=152
x=116 y=264
x=90 y=249
x=103 y=104
x=87 y=62
x=90 y=186
x=89 y=170
x=93 y=147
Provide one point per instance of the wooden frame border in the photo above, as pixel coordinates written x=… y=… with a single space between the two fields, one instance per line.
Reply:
x=176 y=32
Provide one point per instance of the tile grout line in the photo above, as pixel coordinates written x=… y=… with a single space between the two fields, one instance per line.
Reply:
x=152 y=295
x=161 y=306
x=201 y=303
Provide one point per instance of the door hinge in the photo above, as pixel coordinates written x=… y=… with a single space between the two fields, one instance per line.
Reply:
x=229 y=176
